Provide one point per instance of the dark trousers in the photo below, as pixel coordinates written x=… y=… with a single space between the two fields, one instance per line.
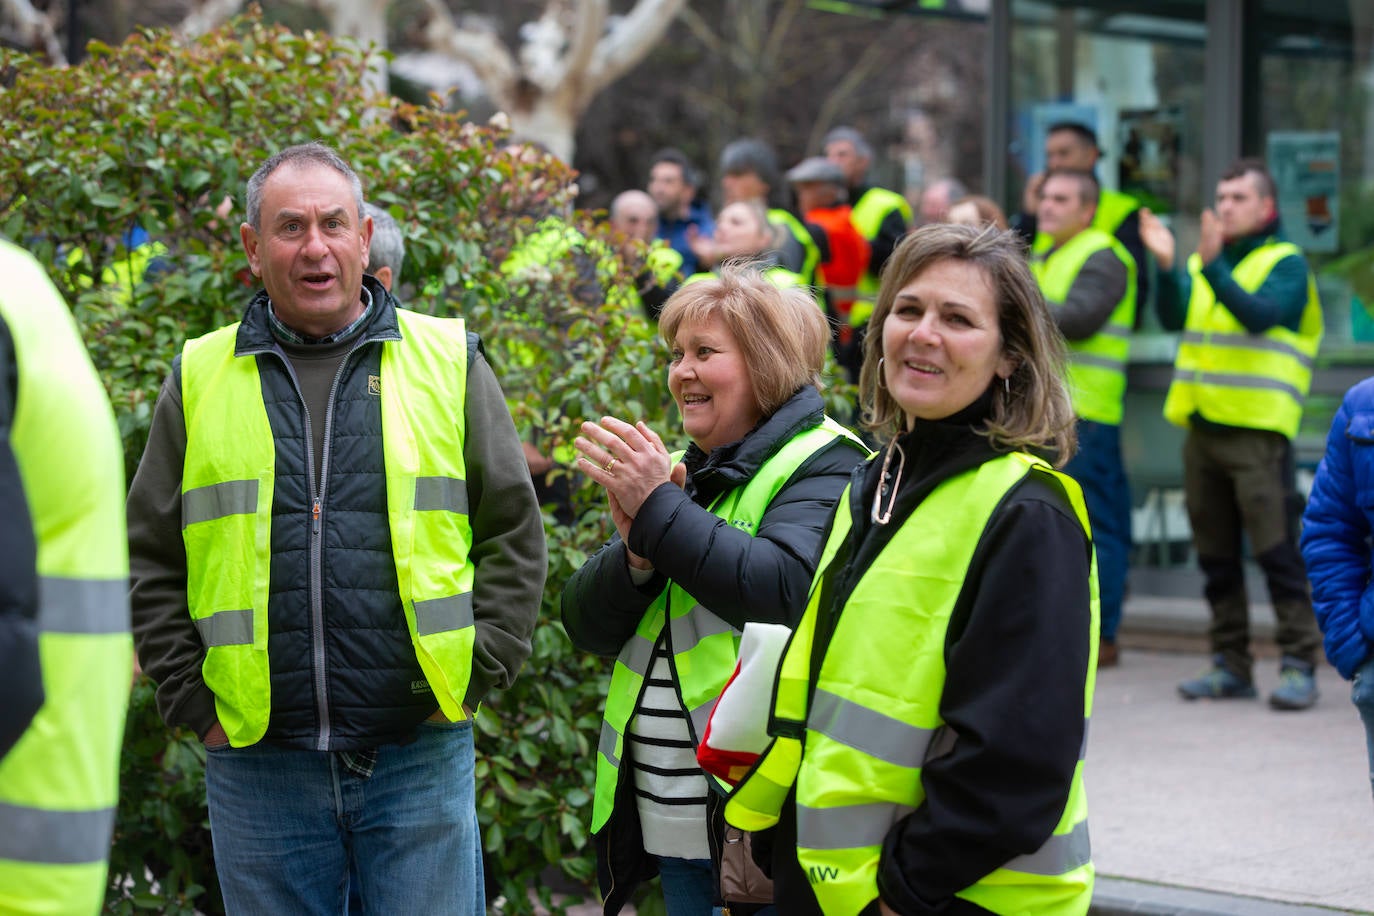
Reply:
x=1098 y=470
x=1240 y=481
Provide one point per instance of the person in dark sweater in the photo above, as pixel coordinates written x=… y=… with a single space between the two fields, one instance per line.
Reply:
x=726 y=535
x=1247 y=304
x=933 y=761
x=335 y=554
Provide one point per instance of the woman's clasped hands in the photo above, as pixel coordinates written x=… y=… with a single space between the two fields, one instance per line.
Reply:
x=630 y=462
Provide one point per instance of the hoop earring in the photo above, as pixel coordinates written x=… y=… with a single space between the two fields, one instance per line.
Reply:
x=882 y=382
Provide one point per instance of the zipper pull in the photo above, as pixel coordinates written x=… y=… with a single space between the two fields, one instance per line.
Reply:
x=315 y=515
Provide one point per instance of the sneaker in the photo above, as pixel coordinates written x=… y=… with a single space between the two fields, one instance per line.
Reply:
x=1217 y=683
x=1297 y=686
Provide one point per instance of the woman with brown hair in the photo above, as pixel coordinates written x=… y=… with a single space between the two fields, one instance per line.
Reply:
x=930 y=710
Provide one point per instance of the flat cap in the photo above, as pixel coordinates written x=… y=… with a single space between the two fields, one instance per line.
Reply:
x=816 y=168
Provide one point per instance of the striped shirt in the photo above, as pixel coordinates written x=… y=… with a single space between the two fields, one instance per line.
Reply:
x=670 y=788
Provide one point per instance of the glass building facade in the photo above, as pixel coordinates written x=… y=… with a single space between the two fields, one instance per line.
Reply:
x=1176 y=90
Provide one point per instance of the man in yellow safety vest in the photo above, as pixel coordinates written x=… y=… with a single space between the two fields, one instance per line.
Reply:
x=1087 y=277
x=1251 y=322
x=335 y=554
x=1073 y=146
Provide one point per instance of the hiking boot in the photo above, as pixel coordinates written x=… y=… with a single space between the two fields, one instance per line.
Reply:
x=1297 y=686
x=1217 y=683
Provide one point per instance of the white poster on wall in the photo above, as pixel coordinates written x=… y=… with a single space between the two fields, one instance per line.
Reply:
x=1306 y=166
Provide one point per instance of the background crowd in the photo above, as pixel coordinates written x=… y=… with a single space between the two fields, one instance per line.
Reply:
x=263 y=576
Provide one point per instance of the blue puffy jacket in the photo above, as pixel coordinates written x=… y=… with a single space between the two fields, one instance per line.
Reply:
x=1336 y=533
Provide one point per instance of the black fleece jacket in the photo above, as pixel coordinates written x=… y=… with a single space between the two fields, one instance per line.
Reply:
x=740 y=578
x=1016 y=654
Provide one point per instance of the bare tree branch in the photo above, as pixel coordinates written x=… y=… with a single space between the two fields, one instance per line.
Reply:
x=482 y=51
x=778 y=31
x=697 y=25
x=37 y=28
x=630 y=40
x=588 y=24
x=858 y=76
x=209 y=15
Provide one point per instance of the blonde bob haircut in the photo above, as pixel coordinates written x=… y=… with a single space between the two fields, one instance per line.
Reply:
x=1033 y=411
x=780 y=331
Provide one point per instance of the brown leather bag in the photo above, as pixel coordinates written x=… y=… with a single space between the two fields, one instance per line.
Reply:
x=741 y=880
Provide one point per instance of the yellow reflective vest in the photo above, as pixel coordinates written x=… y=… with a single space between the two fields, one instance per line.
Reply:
x=125 y=272
x=1233 y=377
x=811 y=252
x=227 y=490
x=59 y=785
x=1112 y=209
x=852 y=736
x=1097 y=365
x=778 y=275
x=702 y=647
x=868 y=214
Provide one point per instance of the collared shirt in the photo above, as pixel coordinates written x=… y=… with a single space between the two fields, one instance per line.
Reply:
x=288 y=334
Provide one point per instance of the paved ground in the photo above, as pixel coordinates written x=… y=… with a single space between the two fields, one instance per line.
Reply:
x=1226 y=797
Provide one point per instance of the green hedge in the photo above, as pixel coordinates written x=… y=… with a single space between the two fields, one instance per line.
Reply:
x=156 y=132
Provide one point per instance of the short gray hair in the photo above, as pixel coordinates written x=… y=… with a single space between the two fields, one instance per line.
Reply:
x=314 y=153
x=750 y=155
x=388 y=247
x=851 y=136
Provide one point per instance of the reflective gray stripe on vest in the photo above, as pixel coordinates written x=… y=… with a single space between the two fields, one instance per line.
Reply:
x=226 y=628
x=55 y=837
x=873 y=733
x=1097 y=360
x=693 y=627
x=1232 y=380
x=636 y=654
x=847 y=827
x=1247 y=342
x=1061 y=854
x=1120 y=332
x=232 y=497
x=686 y=633
x=91 y=606
x=446 y=494
x=700 y=716
x=606 y=743
x=439 y=615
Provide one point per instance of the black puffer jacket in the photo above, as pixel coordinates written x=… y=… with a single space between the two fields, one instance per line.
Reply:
x=740 y=578
x=353 y=682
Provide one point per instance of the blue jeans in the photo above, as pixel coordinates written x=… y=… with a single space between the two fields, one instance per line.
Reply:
x=688 y=888
x=1098 y=469
x=287 y=824
x=1362 y=695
